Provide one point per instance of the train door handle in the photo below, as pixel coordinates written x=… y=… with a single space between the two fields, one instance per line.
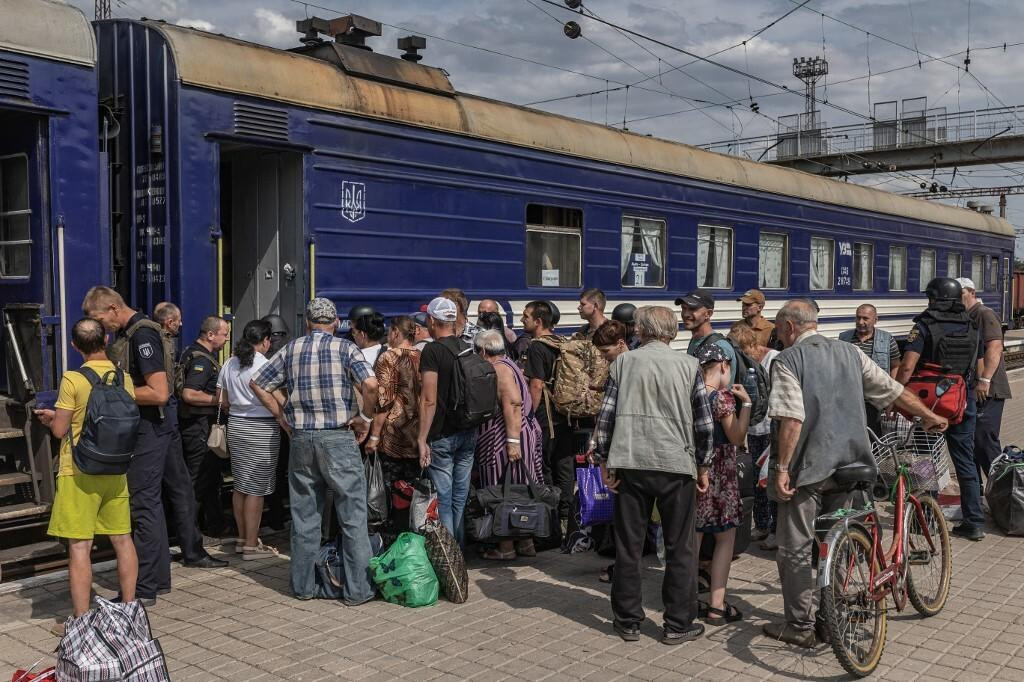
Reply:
x=268 y=274
x=288 y=270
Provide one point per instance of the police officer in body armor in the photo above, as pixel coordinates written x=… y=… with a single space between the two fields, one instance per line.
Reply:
x=945 y=335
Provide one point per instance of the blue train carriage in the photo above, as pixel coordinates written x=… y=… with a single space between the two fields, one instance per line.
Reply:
x=50 y=196
x=265 y=175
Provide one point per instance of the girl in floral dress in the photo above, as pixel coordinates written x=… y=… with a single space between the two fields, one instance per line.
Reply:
x=719 y=510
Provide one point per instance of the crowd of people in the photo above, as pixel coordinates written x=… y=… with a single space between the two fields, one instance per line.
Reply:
x=673 y=432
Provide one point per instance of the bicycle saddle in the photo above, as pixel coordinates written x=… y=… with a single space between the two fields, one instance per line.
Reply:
x=855 y=473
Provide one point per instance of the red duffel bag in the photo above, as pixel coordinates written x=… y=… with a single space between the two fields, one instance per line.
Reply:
x=942 y=393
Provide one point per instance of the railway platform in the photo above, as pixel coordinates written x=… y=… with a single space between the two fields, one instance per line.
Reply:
x=533 y=619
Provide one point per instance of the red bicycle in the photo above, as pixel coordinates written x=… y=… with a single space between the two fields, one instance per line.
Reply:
x=856 y=575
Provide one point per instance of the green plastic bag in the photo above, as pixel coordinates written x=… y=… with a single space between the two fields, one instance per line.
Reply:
x=403 y=573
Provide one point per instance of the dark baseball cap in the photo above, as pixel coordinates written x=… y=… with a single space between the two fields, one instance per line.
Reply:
x=420 y=319
x=698 y=298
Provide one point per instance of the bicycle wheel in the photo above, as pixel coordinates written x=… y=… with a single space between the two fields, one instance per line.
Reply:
x=856 y=623
x=928 y=570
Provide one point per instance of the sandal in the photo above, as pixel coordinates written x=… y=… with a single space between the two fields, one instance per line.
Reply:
x=713 y=616
x=498 y=555
x=605 y=576
x=526 y=548
x=703 y=581
x=260 y=551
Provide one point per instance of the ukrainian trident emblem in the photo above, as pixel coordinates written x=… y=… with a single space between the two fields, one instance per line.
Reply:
x=353 y=201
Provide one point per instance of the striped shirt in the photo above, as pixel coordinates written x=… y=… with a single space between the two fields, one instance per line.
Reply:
x=318 y=373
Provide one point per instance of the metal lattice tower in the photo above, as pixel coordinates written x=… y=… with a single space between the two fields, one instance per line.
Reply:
x=102 y=9
x=810 y=70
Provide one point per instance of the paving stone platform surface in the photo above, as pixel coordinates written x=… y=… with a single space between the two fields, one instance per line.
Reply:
x=542 y=618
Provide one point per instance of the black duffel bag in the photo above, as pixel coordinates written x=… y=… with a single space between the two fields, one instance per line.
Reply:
x=1004 y=491
x=511 y=510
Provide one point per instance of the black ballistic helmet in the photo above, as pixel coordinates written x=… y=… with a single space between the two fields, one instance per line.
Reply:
x=623 y=313
x=358 y=311
x=943 y=289
x=278 y=332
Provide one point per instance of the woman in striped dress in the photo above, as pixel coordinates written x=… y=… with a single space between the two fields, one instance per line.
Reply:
x=513 y=435
x=254 y=438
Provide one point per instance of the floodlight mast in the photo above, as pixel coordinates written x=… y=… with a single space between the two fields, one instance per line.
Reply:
x=809 y=70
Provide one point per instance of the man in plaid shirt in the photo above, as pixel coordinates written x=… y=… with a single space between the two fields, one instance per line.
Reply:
x=319 y=374
x=656 y=429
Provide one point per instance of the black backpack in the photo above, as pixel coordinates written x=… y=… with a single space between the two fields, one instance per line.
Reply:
x=473 y=396
x=110 y=428
x=759 y=408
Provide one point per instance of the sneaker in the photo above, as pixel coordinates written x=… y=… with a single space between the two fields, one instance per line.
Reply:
x=628 y=633
x=769 y=543
x=689 y=634
x=972 y=533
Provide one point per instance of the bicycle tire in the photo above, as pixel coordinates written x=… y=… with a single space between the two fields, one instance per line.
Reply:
x=924 y=604
x=859 y=661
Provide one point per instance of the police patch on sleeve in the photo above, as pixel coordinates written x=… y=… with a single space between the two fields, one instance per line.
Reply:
x=197 y=368
x=146 y=350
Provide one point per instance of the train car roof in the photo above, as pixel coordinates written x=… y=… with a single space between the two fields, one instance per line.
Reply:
x=221 y=63
x=47 y=28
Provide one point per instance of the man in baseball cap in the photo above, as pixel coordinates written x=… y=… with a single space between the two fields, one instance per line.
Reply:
x=697 y=308
x=993 y=387
x=753 y=304
x=321 y=311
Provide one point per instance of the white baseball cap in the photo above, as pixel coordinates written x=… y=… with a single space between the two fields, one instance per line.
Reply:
x=966 y=283
x=443 y=310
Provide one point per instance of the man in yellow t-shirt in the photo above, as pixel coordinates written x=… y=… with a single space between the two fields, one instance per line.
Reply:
x=88 y=505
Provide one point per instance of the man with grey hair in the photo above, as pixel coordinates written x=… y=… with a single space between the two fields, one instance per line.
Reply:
x=666 y=465
x=818 y=431
x=168 y=316
x=319 y=374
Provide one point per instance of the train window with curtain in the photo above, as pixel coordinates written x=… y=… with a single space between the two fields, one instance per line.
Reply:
x=714 y=257
x=897 y=268
x=15 y=215
x=554 y=242
x=643 y=252
x=773 y=261
x=863 y=266
x=822 y=268
x=978 y=270
x=927 y=267
x=993 y=274
x=953 y=263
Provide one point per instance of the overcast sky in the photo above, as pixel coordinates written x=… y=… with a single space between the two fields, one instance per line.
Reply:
x=605 y=58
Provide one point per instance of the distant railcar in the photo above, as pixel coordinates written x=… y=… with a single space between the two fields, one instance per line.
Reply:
x=252 y=177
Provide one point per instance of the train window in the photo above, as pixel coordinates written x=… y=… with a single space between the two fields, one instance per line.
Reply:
x=714 y=257
x=823 y=253
x=953 y=262
x=978 y=270
x=863 y=266
x=927 y=267
x=554 y=239
x=897 y=268
x=993 y=274
x=773 y=261
x=15 y=214
x=643 y=252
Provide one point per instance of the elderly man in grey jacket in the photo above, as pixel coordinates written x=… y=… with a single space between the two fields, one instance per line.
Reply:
x=819 y=389
x=656 y=429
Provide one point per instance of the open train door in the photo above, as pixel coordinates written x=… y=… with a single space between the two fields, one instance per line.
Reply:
x=261 y=223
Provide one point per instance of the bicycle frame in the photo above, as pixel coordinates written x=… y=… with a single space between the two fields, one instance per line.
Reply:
x=890 y=568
